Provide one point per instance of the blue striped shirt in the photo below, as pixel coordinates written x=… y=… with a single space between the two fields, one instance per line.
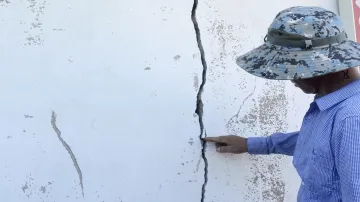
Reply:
x=326 y=150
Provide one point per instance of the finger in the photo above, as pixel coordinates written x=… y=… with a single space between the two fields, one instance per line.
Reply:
x=224 y=149
x=220 y=144
x=214 y=139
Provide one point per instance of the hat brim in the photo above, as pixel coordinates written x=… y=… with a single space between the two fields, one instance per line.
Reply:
x=282 y=63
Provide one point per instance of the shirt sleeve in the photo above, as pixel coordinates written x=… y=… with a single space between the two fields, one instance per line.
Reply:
x=347 y=158
x=278 y=143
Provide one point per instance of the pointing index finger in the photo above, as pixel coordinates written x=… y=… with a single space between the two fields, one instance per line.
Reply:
x=213 y=139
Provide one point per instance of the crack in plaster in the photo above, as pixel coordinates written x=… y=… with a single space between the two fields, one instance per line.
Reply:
x=199 y=103
x=68 y=149
x=241 y=106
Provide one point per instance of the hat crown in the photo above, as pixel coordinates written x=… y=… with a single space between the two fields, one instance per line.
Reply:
x=310 y=22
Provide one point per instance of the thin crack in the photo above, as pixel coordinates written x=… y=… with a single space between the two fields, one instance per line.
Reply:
x=199 y=104
x=241 y=106
x=68 y=149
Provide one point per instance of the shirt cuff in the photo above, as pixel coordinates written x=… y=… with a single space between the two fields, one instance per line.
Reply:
x=257 y=145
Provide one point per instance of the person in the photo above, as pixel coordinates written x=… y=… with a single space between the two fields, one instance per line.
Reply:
x=309 y=46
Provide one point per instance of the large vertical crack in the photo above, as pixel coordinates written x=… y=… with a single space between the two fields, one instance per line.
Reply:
x=199 y=103
x=68 y=149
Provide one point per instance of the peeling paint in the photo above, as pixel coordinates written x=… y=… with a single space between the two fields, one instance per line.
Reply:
x=42 y=189
x=177 y=57
x=68 y=149
x=191 y=141
x=35 y=31
x=25 y=187
x=269 y=114
x=234 y=119
x=227 y=41
x=28 y=116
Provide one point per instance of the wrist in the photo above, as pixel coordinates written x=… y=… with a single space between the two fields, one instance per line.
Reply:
x=257 y=145
x=246 y=147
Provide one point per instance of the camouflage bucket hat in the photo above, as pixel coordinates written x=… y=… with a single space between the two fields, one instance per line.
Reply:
x=302 y=42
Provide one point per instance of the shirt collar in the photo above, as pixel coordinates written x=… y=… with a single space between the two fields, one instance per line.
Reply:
x=338 y=96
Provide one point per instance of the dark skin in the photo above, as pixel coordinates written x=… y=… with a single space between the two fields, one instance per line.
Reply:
x=319 y=86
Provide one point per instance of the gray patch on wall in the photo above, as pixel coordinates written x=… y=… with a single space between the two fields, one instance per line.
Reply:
x=177 y=57
x=269 y=114
x=28 y=116
x=228 y=38
x=33 y=190
x=3 y=3
x=196 y=82
x=35 y=31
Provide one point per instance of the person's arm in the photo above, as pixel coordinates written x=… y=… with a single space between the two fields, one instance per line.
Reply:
x=347 y=158
x=278 y=143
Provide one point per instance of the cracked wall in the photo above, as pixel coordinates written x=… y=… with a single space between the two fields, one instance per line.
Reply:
x=240 y=104
x=134 y=88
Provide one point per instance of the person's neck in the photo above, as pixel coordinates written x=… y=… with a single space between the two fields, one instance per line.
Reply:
x=337 y=81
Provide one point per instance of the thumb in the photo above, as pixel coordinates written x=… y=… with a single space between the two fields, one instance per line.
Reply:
x=224 y=149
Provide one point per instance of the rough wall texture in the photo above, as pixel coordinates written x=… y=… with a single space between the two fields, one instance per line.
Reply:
x=237 y=103
x=105 y=101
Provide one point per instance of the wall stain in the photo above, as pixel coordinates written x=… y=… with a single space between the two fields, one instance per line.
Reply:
x=28 y=116
x=268 y=115
x=177 y=57
x=68 y=149
x=147 y=68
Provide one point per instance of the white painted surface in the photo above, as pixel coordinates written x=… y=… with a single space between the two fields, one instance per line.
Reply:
x=346 y=12
x=122 y=77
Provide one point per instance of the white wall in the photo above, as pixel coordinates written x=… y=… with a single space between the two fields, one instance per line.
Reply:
x=122 y=79
x=346 y=12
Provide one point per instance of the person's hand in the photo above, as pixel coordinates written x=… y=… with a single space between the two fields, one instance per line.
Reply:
x=229 y=144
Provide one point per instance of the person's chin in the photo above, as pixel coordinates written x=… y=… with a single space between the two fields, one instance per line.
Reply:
x=307 y=91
